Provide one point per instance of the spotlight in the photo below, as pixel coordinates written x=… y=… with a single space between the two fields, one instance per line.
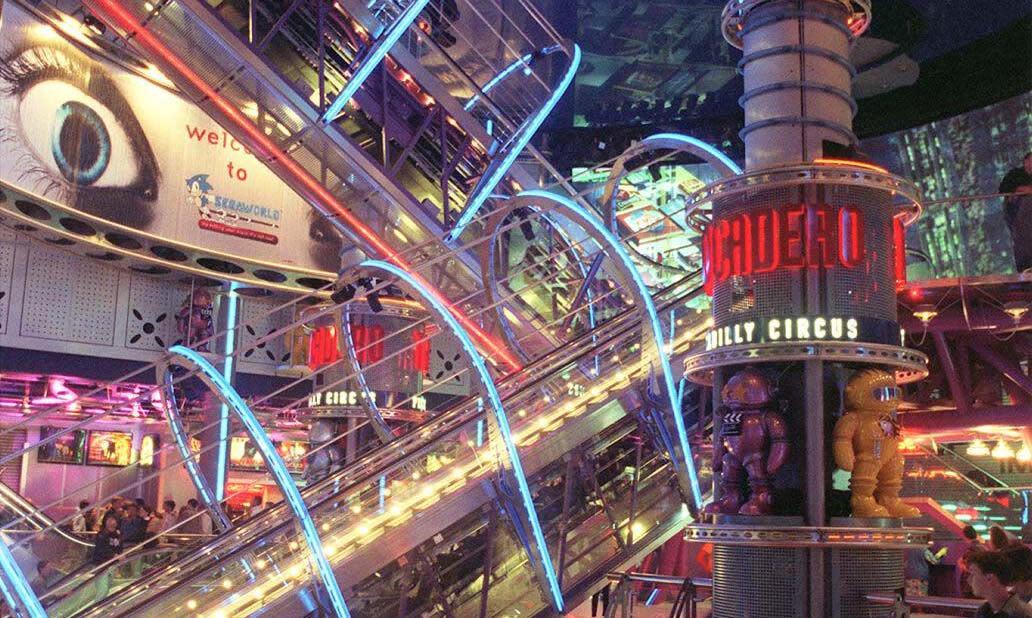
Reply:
x=94 y=25
x=925 y=312
x=344 y=294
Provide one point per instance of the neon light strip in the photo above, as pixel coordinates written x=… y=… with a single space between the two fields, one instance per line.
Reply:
x=373 y=57
x=380 y=427
x=497 y=78
x=487 y=185
x=500 y=418
x=182 y=440
x=116 y=14
x=595 y=225
x=227 y=373
x=16 y=588
x=848 y=163
x=276 y=467
x=687 y=139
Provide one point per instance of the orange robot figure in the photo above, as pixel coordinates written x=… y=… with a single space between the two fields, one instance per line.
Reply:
x=865 y=442
x=753 y=443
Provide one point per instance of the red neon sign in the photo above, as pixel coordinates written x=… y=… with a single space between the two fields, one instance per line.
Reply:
x=323 y=347
x=789 y=237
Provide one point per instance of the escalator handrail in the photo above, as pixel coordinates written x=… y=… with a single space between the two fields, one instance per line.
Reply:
x=401 y=456
x=28 y=512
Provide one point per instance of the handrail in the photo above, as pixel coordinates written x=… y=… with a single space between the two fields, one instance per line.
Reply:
x=927 y=602
x=447 y=424
x=663 y=580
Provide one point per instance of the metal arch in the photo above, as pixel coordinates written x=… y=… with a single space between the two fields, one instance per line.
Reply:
x=662 y=141
x=355 y=368
x=509 y=458
x=684 y=465
x=15 y=586
x=214 y=380
x=182 y=441
x=490 y=276
x=500 y=165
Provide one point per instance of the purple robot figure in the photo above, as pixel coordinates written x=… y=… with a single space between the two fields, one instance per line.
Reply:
x=753 y=444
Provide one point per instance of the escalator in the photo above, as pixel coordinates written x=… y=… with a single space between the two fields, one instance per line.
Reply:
x=66 y=551
x=428 y=502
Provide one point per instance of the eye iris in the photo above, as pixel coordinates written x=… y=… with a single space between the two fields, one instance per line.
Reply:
x=80 y=143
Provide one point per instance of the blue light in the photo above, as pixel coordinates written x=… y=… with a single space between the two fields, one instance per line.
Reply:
x=485 y=187
x=495 y=400
x=16 y=588
x=656 y=326
x=497 y=78
x=182 y=441
x=277 y=468
x=380 y=47
x=723 y=158
x=227 y=373
x=480 y=433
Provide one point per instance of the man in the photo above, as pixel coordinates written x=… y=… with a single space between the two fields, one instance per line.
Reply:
x=79 y=523
x=133 y=527
x=1017 y=211
x=990 y=576
x=1019 y=557
x=974 y=546
x=168 y=516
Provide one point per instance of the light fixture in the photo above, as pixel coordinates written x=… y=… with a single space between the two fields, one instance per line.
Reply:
x=925 y=312
x=1023 y=454
x=977 y=449
x=1002 y=450
x=1016 y=309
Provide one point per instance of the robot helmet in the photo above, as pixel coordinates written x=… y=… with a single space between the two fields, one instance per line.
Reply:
x=748 y=389
x=871 y=388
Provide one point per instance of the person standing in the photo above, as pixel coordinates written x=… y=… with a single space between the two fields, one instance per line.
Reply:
x=79 y=523
x=109 y=540
x=1017 y=211
x=974 y=547
x=990 y=577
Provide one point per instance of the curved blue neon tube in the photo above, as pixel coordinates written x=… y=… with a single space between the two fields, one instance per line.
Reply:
x=497 y=78
x=182 y=441
x=279 y=471
x=496 y=404
x=655 y=325
x=691 y=141
x=15 y=586
x=520 y=140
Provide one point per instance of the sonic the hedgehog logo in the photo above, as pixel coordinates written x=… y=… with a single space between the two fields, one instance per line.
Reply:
x=199 y=194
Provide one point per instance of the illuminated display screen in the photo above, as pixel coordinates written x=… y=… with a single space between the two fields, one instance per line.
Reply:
x=245 y=456
x=149 y=446
x=68 y=449
x=109 y=448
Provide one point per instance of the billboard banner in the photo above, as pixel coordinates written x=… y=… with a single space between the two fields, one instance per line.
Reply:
x=86 y=132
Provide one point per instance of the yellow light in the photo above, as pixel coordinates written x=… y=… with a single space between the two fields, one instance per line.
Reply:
x=1002 y=450
x=227 y=584
x=326 y=527
x=1024 y=454
x=260 y=563
x=295 y=571
x=294 y=545
x=848 y=163
x=191 y=604
x=977 y=449
x=356 y=508
x=363 y=530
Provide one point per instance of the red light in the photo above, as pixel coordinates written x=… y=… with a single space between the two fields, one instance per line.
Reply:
x=899 y=242
x=790 y=237
x=323 y=347
x=267 y=149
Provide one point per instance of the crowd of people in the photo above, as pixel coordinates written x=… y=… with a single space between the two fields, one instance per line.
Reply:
x=123 y=522
x=999 y=572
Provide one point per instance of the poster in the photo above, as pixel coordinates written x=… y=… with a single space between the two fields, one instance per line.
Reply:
x=84 y=131
x=109 y=448
x=149 y=445
x=67 y=449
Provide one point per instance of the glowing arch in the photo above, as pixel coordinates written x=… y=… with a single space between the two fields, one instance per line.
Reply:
x=662 y=141
x=209 y=375
x=653 y=330
x=500 y=165
x=499 y=422
x=380 y=427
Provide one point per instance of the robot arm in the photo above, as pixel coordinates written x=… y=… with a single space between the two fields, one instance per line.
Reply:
x=777 y=433
x=843 y=441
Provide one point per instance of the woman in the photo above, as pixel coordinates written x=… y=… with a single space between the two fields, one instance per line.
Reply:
x=109 y=540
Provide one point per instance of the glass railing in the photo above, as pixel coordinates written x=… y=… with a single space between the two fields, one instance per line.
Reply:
x=393 y=485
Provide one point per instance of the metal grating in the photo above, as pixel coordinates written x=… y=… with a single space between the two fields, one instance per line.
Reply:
x=257 y=323
x=12 y=440
x=151 y=324
x=858 y=292
x=859 y=571
x=6 y=280
x=67 y=300
x=759 y=582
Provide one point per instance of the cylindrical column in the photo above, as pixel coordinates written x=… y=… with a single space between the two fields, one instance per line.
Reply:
x=797 y=77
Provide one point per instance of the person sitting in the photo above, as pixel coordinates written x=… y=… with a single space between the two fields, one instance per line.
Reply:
x=990 y=576
x=109 y=540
